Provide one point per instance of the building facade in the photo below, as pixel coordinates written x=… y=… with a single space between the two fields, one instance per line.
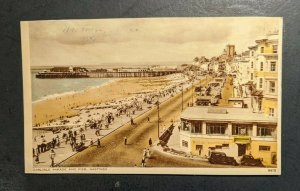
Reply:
x=234 y=131
x=266 y=74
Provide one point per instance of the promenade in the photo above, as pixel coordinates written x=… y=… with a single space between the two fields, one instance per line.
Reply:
x=114 y=153
x=64 y=151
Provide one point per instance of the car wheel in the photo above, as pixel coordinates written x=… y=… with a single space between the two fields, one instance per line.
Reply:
x=234 y=163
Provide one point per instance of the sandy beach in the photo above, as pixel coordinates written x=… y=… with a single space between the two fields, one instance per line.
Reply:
x=62 y=106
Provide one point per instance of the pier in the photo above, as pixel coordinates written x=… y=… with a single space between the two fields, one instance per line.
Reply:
x=107 y=74
x=129 y=74
x=62 y=75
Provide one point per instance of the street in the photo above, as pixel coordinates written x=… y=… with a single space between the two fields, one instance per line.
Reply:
x=164 y=160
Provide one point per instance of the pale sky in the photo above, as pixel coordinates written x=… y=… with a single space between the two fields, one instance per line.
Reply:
x=98 y=42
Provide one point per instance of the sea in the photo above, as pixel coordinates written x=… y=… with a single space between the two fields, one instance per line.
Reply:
x=46 y=88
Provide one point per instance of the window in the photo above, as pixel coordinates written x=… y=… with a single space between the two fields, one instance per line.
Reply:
x=225 y=145
x=272 y=87
x=274 y=48
x=198 y=128
x=251 y=76
x=261 y=66
x=262 y=49
x=251 y=64
x=273 y=66
x=186 y=126
x=265 y=131
x=241 y=129
x=185 y=143
x=199 y=147
x=260 y=82
x=216 y=128
x=264 y=148
x=271 y=112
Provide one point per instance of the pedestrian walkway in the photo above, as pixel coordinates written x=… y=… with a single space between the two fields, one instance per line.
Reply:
x=65 y=151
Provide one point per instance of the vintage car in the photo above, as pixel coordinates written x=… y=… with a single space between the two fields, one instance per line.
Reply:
x=221 y=158
x=248 y=160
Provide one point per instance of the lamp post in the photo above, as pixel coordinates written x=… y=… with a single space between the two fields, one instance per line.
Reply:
x=157 y=115
x=182 y=97
x=193 y=78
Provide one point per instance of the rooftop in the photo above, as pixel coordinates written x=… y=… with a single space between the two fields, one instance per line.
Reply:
x=225 y=114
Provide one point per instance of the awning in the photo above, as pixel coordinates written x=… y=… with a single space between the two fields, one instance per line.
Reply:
x=242 y=139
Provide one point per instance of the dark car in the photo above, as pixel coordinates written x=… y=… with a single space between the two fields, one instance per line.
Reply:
x=221 y=158
x=248 y=160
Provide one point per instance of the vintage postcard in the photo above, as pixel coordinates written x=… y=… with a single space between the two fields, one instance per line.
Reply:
x=153 y=96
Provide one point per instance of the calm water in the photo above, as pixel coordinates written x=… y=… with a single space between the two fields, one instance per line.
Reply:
x=42 y=88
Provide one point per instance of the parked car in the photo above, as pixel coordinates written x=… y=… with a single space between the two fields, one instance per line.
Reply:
x=221 y=158
x=248 y=160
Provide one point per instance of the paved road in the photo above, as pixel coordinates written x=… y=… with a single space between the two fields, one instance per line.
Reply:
x=114 y=153
x=165 y=160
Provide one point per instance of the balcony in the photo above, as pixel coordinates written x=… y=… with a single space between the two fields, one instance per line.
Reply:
x=265 y=138
x=205 y=136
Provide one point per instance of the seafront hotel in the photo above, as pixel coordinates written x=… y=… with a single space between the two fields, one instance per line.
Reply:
x=234 y=131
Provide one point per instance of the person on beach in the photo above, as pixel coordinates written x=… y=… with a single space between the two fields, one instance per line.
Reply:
x=72 y=144
x=148 y=153
x=131 y=121
x=83 y=137
x=37 y=158
x=98 y=143
x=143 y=162
x=53 y=142
x=125 y=140
x=145 y=153
x=97 y=132
x=52 y=155
x=148 y=119
x=150 y=142
x=57 y=141
x=43 y=145
x=91 y=142
x=70 y=133
x=67 y=139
